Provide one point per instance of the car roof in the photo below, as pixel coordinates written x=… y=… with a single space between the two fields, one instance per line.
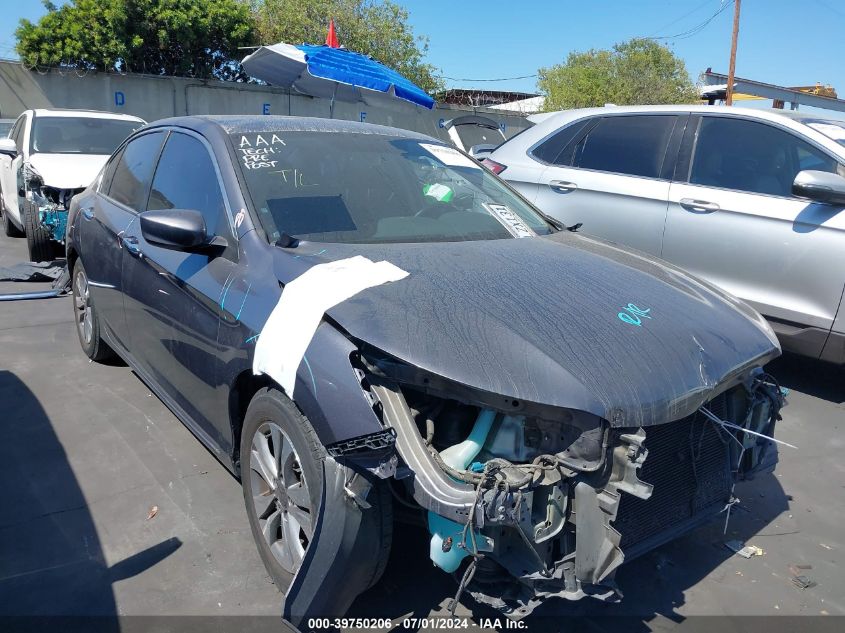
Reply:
x=93 y=114
x=770 y=114
x=550 y=122
x=248 y=124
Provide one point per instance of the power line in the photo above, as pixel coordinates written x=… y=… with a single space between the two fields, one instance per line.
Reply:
x=685 y=15
x=697 y=28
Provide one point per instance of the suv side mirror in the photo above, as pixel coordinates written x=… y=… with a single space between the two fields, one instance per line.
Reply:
x=821 y=186
x=8 y=147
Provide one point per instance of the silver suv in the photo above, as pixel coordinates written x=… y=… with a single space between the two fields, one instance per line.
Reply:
x=751 y=200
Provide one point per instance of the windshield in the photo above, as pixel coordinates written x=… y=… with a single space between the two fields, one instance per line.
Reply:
x=373 y=188
x=831 y=128
x=79 y=135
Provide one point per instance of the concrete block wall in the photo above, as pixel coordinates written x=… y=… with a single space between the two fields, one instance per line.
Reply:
x=153 y=97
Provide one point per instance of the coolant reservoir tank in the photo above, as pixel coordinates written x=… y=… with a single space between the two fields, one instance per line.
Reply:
x=445 y=550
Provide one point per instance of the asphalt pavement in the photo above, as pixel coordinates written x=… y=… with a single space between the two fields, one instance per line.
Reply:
x=109 y=506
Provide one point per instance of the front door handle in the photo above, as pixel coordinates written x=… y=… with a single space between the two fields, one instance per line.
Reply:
x=562 y=186
x=87 y=213
x=131 y=245
x=701 y=206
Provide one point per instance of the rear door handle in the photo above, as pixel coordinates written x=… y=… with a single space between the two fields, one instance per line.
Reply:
x=87 y=213
x=702 y=206
x=562 y=186
x=131 y=245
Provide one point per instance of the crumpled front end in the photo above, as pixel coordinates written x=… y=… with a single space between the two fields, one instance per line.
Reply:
x=557 y=499
x=51 y=203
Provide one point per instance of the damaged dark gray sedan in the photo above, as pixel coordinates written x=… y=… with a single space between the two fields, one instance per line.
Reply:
x=345 y=314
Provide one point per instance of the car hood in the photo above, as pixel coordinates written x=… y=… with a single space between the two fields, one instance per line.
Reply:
x=68 y=171
x=542 y=320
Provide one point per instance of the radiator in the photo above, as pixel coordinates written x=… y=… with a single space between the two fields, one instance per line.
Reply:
x=688 y=464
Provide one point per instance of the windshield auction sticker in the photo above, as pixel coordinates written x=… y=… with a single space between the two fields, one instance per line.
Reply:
x=510 y=220
x=449 y=156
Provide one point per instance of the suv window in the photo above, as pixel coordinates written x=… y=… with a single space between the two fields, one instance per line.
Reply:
x=135 y=169
x=186 y=179
x=552 y=149
x=751 y=156
x=631 y=145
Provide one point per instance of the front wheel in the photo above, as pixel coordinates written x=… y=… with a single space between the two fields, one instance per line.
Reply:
x=282 y=481
x=39 y=242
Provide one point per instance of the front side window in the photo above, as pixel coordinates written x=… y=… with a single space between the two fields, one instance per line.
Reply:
x=186 y=179
x=374 y=188
x=628 y=145
x=79 y=135
x=750 y=156
x=134 y=170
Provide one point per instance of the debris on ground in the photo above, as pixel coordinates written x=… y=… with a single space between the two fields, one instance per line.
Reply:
x=746 y=551
x=153 y=511
x=32 y=271
x=800 y=579
x=802 y=582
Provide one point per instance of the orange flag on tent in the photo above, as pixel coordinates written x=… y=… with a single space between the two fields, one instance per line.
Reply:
x=331 y=36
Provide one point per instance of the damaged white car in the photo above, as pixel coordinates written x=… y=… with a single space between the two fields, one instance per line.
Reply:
x=50 y=156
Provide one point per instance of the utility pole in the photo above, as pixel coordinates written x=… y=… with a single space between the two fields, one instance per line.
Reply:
x=729 y=91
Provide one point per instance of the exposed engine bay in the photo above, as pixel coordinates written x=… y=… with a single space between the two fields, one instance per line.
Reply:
x=51 y=203
x=557 y=499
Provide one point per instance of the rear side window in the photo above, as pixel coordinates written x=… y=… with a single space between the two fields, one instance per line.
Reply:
x=186 y=179
x=134 y=170
x=552 y=149
x=629 y=145
x=750 y=156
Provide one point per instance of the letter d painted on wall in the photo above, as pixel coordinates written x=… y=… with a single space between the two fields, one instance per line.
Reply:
x=119 y=98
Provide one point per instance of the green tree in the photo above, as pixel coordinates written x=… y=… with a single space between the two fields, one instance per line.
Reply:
x=636 y=72
x=164 y=37
x=378 y=28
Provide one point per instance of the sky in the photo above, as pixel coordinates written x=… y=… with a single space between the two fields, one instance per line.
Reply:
x=785 y=42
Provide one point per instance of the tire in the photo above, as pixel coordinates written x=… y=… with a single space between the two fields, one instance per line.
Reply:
x=38 y=239
x=86 y=318
x=9 y=228
x=271 y=415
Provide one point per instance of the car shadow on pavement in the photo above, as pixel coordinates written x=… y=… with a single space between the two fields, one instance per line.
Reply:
x=810 y=376
x=51 y=558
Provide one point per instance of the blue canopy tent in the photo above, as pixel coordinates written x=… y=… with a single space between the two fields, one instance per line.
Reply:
x=332 y=73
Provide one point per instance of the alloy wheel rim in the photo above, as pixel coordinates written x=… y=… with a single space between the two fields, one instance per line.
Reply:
x=82 y=303
x=281 y=500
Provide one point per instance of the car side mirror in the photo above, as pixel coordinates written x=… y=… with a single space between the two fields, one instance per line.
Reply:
x=8 y=147
x=182 y=229
x=821 y=186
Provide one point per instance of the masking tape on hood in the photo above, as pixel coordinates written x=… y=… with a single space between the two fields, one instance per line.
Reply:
x=292 y=323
